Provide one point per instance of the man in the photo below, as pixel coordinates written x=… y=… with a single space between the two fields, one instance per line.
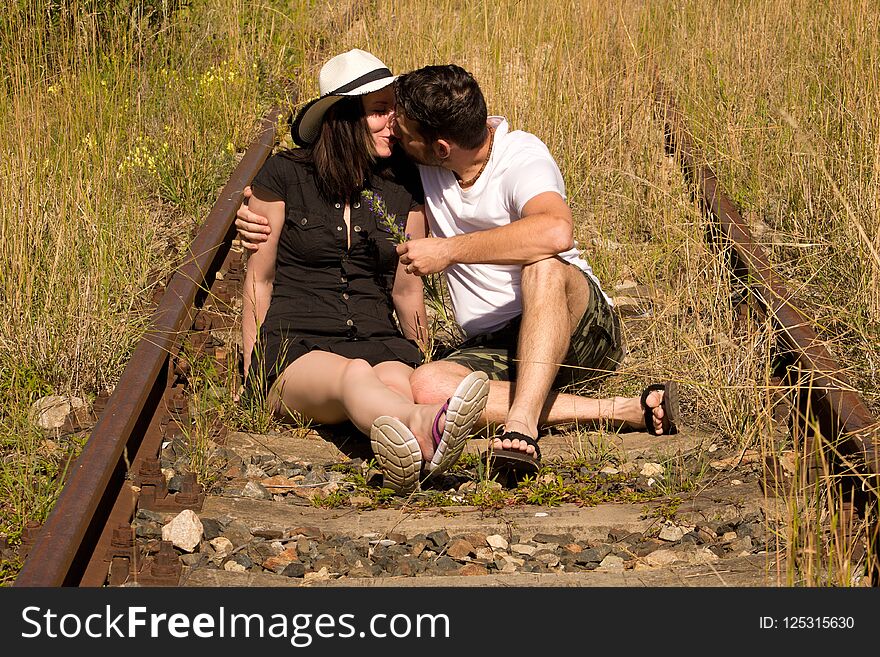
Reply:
x=525 y=299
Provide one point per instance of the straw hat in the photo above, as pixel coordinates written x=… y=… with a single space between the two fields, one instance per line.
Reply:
x=353 y=73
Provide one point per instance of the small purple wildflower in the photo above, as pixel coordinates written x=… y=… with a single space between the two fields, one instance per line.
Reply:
x=377 y=206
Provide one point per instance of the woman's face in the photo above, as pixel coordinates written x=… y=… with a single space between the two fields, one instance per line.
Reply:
x=379 y=106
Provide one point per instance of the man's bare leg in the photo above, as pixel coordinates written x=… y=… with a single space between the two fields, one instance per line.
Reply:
x=434 y=383
x=554 y=296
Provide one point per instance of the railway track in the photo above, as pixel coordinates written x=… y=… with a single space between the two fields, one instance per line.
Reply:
x=300 y=508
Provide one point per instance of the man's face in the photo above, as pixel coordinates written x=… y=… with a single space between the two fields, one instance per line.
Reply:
x=411 y=140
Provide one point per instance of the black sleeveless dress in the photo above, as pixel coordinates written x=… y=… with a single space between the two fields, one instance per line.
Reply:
x=328 y=296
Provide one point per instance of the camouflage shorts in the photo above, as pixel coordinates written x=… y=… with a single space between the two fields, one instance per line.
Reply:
x=595 y=351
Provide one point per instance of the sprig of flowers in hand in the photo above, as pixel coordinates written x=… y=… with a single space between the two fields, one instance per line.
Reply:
x=377 y=206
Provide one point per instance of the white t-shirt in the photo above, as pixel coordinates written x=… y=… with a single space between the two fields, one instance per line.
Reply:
x=484 y=297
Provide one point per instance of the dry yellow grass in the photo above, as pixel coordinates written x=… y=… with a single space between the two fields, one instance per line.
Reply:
x=783 y=97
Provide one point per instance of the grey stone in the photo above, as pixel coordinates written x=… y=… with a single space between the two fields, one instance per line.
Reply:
x=256 y=491
x=595 y=554
x=243 y=559
x=316 y=475
x=444 y=565
x=439 y=538
x=192 y=559
x=558 y=539
x=261 y=550
x=153 y=516
x=144 y=529
x=237 y=532
x=212 y=528
x=294 y=569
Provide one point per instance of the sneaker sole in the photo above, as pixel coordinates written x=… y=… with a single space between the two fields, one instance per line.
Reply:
x=465 y=408
x=398 y=454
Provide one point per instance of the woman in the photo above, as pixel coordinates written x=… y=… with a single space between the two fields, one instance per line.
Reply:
x=322 y=288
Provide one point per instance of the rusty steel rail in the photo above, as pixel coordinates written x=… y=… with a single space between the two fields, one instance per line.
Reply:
x=828 y=404
x=97 y=498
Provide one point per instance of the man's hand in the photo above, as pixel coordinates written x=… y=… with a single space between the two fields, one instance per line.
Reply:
x=253 y=229
x=425 y=256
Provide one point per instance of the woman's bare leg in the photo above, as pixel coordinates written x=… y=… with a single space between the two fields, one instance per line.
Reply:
x=330 y=389
x=396 y=376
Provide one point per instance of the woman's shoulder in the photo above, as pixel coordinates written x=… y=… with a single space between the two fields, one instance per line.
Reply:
x=295 y=160
x=285 y=167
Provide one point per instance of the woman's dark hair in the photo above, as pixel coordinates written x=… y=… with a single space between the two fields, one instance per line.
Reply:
x=447 y=103
x=343 y=154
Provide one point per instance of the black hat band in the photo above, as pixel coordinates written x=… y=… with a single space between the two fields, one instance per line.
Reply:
x=372 y=76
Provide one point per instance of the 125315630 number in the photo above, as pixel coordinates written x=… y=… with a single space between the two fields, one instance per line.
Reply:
x=818 y=622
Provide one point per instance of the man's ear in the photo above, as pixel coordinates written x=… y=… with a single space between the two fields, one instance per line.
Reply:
x=441 y=148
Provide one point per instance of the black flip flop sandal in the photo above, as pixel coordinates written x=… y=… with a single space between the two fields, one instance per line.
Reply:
x=509 y=465
x=669 y=404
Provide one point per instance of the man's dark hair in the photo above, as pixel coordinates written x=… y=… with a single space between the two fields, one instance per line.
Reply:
x=447 y=103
